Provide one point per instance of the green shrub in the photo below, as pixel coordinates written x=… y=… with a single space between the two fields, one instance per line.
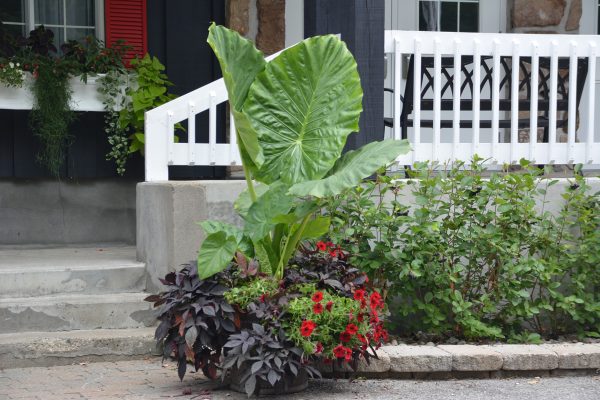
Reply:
x=473 y=256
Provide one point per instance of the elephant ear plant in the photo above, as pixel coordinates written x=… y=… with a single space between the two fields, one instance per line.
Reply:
x=292 y=117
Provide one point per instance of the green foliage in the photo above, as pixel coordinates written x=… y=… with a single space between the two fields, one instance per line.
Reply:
x=148 y=91
x=111 y=88
x=292 y=117
x=11 y=74
x=473 y=256
x=51 y=114
x=251 y=292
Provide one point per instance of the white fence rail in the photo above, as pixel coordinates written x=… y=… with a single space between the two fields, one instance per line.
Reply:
x=490 y=58
x=448 y=133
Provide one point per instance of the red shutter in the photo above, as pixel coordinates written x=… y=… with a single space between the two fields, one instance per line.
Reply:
x=126 y=20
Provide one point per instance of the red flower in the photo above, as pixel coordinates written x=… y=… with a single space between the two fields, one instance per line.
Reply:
x=375 y=300
x=319 y=348
x=374 y=317
x=317 y=297
x=333 y=253
x=318 y=308
x=360 y=317
x=363 y=303
x=321 y=246
x=351 y=329
x=359 y=294
x=362 y=339
x=307 y=328
x=348 y=354
x=329 y=305
x=345 y=337
x=262 y=298
x=339 y=351
x=329 y=244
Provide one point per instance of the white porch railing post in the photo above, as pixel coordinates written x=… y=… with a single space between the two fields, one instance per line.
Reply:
x=156 y=163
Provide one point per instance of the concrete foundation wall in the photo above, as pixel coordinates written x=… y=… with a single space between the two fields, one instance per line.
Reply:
x=167 y=215
x=52 y=212
x=168 y=212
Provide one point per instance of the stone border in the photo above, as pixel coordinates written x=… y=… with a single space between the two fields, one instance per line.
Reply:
x=479 y=361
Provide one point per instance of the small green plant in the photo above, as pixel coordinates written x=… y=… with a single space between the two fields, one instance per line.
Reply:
x=251 y=291
x=147 y=91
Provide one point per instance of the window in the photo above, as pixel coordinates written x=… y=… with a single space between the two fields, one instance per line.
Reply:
x=68 y=19
x=449 y=15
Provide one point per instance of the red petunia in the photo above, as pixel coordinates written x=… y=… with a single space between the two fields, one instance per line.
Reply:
x=329 y=305
x=375 y=300
x=262 y=298
x=318 y=308
x=360 y=317
x=321 y=246
x=317 y=297
x=351 y=329
x=319 y=348
x=363 y=303
x=362 y=339
x=348 y=354
x=345 y=337
x=339 y=351
x=329 y=244
x=359 y=294
x=333 y=253
x=307 y=328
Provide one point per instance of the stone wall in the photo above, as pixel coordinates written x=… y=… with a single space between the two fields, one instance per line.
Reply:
x=546 y=16
x=262 y=21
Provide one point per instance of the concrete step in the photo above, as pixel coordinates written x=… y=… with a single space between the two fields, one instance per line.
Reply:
x=46 y=349
x=28 y=272
x=75 y=311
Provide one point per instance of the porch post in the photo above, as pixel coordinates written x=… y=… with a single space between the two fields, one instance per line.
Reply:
x=361 y=25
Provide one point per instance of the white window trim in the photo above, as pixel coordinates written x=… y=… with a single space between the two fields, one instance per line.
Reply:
x=98 y=11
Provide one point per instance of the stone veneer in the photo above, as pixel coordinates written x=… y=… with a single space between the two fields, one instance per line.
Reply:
x=546 y=16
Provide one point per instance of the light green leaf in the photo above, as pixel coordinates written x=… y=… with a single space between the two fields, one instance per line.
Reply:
x=240 y=63
x=244 y=244
x=352 y=167
x=263 y=257
x=215 y=254
x=316 y=228
x=261 y=214
x=243 y=202
x=303 y=105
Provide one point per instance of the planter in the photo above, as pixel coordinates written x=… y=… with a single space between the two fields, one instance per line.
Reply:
x=85 y=96
x=291 y=384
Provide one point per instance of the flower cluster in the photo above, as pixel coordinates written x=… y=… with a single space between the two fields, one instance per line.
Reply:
x=339 y=327
x=334 y=250
x=11 y=74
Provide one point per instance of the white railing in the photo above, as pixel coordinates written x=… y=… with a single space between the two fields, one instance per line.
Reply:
x=447 y=142
x=437 y=142
x=161 y=150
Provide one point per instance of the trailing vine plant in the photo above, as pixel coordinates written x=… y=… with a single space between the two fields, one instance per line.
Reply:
x=51 y=114
x=113 y=97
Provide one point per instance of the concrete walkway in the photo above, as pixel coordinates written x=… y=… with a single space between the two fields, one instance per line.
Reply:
x=147 y=379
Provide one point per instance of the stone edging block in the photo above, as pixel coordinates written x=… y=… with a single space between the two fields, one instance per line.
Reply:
x=469 y=357
x=526 y=357
x=418 y=359
x=576 y=355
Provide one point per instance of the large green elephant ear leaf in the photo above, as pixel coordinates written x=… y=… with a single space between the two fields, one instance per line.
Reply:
x=303 y=105
x=240 y=63
x=352 y=167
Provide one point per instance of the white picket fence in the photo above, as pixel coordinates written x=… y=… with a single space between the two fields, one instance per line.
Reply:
x=161 y=150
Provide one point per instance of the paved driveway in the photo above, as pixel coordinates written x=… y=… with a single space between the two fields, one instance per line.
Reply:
x=147 y=379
